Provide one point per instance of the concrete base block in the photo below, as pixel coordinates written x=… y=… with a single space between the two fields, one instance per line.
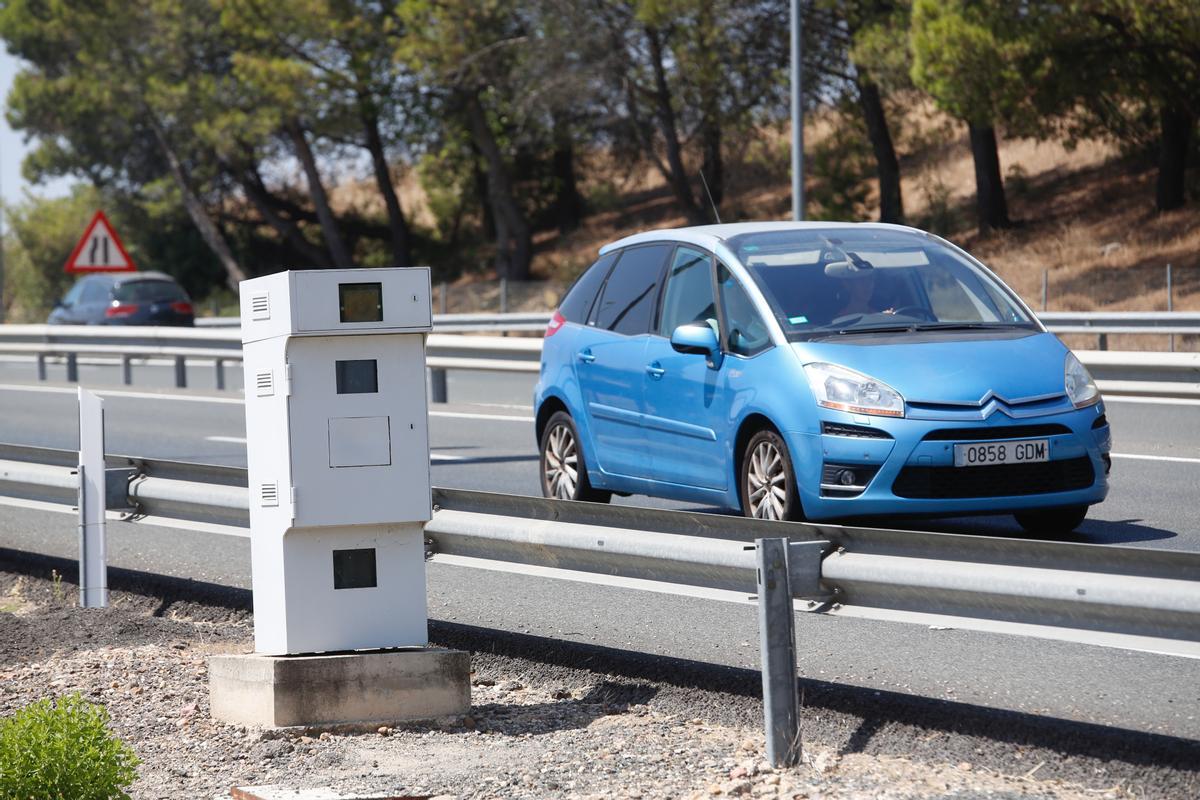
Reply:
x=336 y=689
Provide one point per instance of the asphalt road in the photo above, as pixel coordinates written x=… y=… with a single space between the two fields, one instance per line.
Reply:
x=490 y=447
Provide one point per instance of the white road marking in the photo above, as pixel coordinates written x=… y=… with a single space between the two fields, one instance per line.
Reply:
x=1158 y=401
x=467 y=415
x=1174 y=459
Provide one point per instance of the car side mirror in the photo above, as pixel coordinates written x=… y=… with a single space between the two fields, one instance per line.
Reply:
x=698 y=339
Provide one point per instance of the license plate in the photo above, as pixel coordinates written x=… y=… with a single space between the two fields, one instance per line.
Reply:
x=1016 y=452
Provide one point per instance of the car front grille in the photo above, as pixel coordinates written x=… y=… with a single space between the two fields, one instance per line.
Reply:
x=997 y=480
x=998 y=432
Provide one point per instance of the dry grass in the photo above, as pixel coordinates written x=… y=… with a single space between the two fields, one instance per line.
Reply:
x=1085 y=214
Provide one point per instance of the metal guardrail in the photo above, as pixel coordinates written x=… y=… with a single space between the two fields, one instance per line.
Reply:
x=1118 y=373
x=1099 y=594
x=1102 y=594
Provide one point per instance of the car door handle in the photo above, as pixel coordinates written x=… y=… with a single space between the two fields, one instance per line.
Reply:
x=655 y=370
x=585 y=356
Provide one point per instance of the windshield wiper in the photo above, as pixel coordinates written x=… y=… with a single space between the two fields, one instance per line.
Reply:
x=878 y=329
x=964 y=326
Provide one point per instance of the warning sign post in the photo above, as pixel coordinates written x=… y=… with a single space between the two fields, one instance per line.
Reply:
x=100 y=249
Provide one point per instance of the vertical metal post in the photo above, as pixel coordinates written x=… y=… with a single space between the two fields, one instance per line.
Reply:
x=126 y=369
x=797 y=114
x=72 y=368
x=1045 y=287
x=777 y=641
x=180 y=373
x=41 y=364
x=442 y=298
x=220 y=368
x=93 y=557
x=1103 y=341
x=1170 y=302
x=504 y=295
x=437 y=385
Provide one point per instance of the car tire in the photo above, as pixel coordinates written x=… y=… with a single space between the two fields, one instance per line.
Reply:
x=1051 y=521
x=564 y=473
x=768 y=481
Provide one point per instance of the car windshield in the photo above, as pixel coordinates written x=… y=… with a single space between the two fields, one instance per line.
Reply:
x=148 y=292
x=842 y=281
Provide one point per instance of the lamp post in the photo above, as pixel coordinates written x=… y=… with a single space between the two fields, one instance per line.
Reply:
x=797 y=116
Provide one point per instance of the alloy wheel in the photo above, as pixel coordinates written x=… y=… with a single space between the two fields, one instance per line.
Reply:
x=561 y=463
x=766 y=482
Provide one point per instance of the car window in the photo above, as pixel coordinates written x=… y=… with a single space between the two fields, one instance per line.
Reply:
x=744 y=333
x=95 y=292
x=688 y=296
x=627 y=301
x=148 y=292
x=72 y=297
x=578 y=300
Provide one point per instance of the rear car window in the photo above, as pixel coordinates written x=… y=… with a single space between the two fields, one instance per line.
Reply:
x=148 y=292
x=627 y=301
x=578 y=301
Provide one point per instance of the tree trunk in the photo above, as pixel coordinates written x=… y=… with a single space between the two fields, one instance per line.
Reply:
x=990 y=202
x=887 y=166
x=329 y=228
x=713 y=167
x=666 y=118
x=289 y=231
x=568 y=204
x=401 y=252
x=510 y=219
x=208 y=229
x=1176 y=129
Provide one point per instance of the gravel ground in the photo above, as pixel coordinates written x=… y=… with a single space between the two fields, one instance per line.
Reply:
x=536 y=729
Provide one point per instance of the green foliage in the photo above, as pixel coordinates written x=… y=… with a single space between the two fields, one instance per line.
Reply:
x=839 y=169
x=63 y=751
x=40 y=238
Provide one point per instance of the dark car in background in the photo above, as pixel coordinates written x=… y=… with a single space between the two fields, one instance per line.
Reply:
x=124 y=298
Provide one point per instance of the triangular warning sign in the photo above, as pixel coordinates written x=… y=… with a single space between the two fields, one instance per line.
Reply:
x=100 y=249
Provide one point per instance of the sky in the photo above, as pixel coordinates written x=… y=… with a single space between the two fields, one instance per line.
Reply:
x=13 y=149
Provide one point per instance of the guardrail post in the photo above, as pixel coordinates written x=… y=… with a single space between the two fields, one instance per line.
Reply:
x=504 y=295
x=180 y=373
x=72 y=368
x=442 y=298
x=437 y=386
x=220 y=368
x=93 y=560
x=126 y=369
x=1103 y=341
x=41 y=364
x=1170 y=302
x=1045 y=287
x=777 y=641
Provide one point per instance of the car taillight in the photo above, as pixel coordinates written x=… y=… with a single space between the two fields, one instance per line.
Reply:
x=556 y=322
x=181 y=307
x=120 y=310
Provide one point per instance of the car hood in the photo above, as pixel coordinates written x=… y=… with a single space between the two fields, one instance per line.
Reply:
x=966 y=370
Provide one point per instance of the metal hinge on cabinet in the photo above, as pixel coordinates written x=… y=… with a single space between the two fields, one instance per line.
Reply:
x=287 y=380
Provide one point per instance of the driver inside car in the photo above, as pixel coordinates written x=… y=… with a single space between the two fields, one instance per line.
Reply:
x=861 y=293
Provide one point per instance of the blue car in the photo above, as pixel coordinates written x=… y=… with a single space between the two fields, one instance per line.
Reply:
x=815 y=371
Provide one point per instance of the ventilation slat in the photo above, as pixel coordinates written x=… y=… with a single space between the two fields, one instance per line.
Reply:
x=264 y=383
x=260 y=307
x=268 y=494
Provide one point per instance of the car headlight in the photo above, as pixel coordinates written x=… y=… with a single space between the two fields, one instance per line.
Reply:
x=847 y=390
x=1081 y=389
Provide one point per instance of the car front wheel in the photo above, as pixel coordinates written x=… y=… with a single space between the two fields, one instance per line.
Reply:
x=768 y=480
x=564 y=473
x=1052 y=521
